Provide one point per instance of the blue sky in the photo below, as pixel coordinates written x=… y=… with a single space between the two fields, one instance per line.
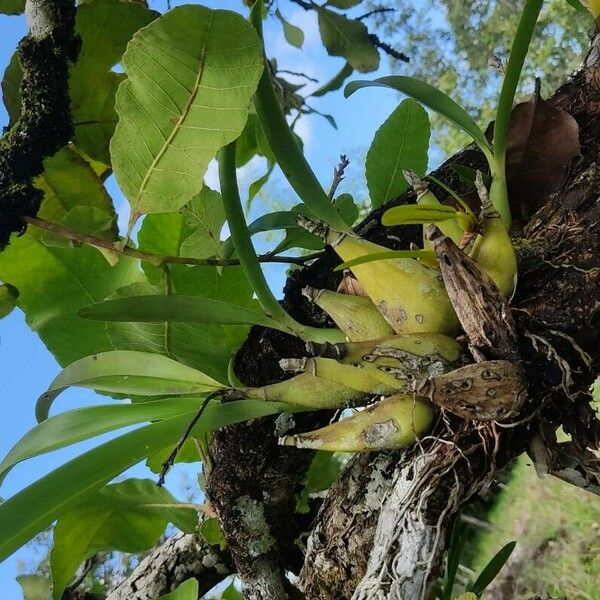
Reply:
x=26 y=367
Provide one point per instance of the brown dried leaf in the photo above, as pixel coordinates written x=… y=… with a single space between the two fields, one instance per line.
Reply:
x=350 y=285
x=542 y=142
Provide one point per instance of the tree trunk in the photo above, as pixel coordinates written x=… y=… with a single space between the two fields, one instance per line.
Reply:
x=383 y=529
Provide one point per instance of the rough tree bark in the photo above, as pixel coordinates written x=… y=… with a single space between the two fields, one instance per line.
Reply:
x=406 y=502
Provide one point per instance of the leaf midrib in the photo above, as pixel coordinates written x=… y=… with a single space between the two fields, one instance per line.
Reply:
x=180 y=121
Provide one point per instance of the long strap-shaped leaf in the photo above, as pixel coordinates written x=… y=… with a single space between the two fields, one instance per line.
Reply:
x=190 y=309
x=80 y=424
x=33 y=509
x=432 y=98
x=191 y=75
x=128 y=372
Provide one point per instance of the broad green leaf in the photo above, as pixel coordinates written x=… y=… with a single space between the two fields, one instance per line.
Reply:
x=211 y=531
x=205 y=216
x=415 y=214
x=401 y=143
x=205 y=346
x=432 y=98
x=188 y=590
x=129 y=516
x=193 y=309
x=67 y=486
x=343 y=4
x=80 y=424
x=9 y=295
x=75 y=196
x=336 y=82
x=231 y=593
x=128 y=372
x=388 y=255
x=348 y=38
x=105 y=27
x=322 y=472
x=191 y=76
x=54 y=283
x=12 y=7
x=11 y=92
x=492 y=569
x=294 y=35
x=35 y=587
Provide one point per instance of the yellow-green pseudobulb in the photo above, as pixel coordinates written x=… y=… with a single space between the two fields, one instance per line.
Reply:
x=410 y=296
x=356 y=316
x=308 y=391
x=494 y=253
x=395 y=422
x=9 y=295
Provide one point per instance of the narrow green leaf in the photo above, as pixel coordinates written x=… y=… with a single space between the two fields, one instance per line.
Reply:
x=192 y=309
x=389 y=255
x=294 y=35
x=191 y=76
x=127 y=372
x=348 y=38
x=71 y=483
x=188 y=590
x=257 y=185
x=80 y=424
x=418 y=214
x=12 y=7
x=336 y=82
x=401 y=143
x=457 y=541
x=432 y=98
x=492 y=569
x=576 y=4
x=129 y=516
x=35 y=587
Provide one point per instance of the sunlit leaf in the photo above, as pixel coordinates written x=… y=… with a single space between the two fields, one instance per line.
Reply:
x=418 y=214
x=211 y=531
x=129 y=516
x=191 y=309
x=191 y=75
x=105 y=27
x=9 y=295
x=128 y=372
x=35 y=587
x=188 y=590
x=348 y=38
x=401 y=143
x=68 y=485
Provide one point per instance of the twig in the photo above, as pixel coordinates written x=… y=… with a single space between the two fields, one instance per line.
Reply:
x=377 y=11
x=388 y=49
x=157 y=259
x=87 y=567
x=338 y=175
x=296 y=74
x=184 y=436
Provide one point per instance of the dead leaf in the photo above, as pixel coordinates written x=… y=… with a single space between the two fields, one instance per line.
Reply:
x=350 y=285
x=542 y=142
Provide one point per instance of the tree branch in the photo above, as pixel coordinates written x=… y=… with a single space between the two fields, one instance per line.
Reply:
x=158 y=259
x=45 y=122
x=170 y=564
